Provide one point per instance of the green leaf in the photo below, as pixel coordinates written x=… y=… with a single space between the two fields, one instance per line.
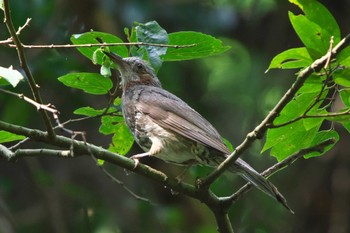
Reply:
x=321 y=137
x=345 y=96
x=122 y=139
x=93 y=38
x=109 y=123
x=228 y=144
x=289 y=139
x=319 y=14
x=342 y=77
x=9 y=137
x=205 y=46
x=100 y=162
x=291 y=59
x=152 y=32
x=286 y=140
x=88 y=82
x=316 y=27
x=310 y=34
x=346 y=125
x=341 y=116
x=343 y=58
x=91 y=112
x=117 y=101
x=10 y=76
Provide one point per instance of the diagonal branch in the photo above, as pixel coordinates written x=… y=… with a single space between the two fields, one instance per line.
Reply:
x=261 y=129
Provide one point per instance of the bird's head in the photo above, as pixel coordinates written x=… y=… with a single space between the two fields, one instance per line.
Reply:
x=134 y=71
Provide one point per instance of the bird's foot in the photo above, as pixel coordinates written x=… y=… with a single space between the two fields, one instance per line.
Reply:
x=137 y=157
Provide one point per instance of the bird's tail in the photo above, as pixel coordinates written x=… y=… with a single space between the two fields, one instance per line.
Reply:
x=248 y=173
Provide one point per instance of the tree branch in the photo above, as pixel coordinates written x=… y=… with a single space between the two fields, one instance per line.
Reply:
x=23 y=63
x=51 y=46
x=82 y=148
x=261 y=129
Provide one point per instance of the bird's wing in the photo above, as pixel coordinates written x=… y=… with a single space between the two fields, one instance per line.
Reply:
x=171 y=113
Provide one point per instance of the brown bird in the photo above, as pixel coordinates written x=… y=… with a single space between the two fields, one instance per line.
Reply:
x=167 y=128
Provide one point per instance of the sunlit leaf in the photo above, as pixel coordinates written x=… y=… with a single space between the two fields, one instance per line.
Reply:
x=9 y=137
x=205 y=46
x=96 y=38
x=10 y=76
x=316 y=27
x=88 y=82
x=109 y=123
x=291 y=59
x=89 y=111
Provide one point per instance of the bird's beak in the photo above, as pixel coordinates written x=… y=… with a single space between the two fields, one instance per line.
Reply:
x=117 y=59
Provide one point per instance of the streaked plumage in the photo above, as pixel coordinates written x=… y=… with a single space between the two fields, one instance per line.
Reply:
x=167 y=128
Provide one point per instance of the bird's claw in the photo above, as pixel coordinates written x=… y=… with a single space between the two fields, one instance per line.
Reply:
x=137 y=157
x=136 y=161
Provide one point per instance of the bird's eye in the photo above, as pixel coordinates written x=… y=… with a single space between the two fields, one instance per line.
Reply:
x=140 y=67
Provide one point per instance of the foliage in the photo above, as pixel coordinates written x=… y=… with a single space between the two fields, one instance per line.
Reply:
x=300 y=122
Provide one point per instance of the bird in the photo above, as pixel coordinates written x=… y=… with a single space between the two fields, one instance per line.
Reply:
x=166 y=127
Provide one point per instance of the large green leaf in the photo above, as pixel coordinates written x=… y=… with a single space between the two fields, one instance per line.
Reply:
x=205 y=46
x=88 y=82
x=311 y=34
x=93 y=38
x=316 y=27
x=319 y=14
x=291 y=59
x=288 y=139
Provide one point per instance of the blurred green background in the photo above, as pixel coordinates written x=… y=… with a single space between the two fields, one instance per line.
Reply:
x=230 y=90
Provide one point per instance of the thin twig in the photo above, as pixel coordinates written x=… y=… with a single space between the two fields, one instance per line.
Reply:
x=23 y=27
x=329 y=52
x=115 y=180
x=10 y=40
x=46 y=107
x=23 y=63
x=51 y=46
